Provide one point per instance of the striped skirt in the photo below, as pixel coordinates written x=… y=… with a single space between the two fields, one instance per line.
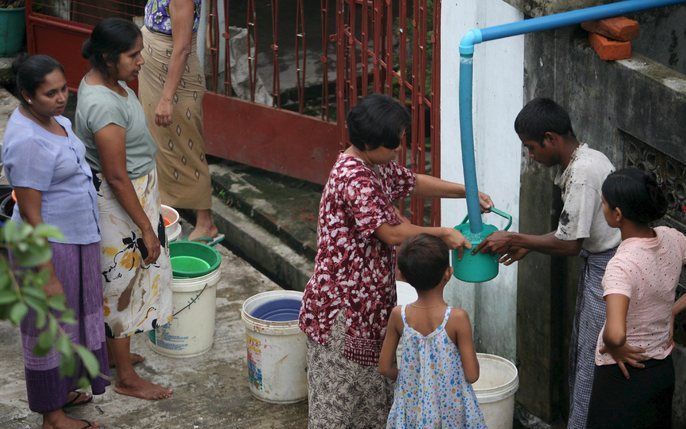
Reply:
x=78 y=269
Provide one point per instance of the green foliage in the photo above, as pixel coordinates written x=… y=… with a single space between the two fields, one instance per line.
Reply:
x=21 y=289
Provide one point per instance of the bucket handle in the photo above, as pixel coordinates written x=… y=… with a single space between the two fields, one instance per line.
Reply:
x=192 y=301
x=499 y=213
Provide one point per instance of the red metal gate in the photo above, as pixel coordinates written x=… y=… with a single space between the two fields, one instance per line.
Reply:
x=282 y=74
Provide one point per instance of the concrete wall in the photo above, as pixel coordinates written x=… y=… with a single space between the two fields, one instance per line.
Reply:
x=498 y=81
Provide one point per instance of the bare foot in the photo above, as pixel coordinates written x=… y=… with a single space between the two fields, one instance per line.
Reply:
x=199 y=232
x=135 y=359
x=138 y=387
x=59 y=420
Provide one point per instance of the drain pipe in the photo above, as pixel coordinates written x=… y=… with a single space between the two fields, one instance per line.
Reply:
x=477 y=36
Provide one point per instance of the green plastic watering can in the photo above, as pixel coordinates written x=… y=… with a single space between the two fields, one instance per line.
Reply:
x=480 y=267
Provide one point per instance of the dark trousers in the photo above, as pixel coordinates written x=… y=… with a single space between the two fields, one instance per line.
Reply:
x=642 y=402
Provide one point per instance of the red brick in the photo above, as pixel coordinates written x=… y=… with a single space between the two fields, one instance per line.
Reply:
x=619 y=28
x=609 y=50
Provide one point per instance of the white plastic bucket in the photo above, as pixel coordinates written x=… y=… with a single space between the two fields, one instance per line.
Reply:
x=191 y=332
x=495 y=390
x=276 y=351
x=173 y=229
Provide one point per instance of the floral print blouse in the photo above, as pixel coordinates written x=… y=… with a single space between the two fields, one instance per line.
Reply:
x=158 y=17
x=355 y=271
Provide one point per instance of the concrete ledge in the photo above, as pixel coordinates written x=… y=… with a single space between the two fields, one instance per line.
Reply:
x=261 y=249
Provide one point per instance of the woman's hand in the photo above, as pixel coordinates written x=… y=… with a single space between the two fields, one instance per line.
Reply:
x=625 y=354
x=163 y=113
x=455 y=240
x=152 y=245
x=485 y=202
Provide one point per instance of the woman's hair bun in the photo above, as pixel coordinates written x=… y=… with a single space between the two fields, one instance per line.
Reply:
x=87 y=49
x=18 y=62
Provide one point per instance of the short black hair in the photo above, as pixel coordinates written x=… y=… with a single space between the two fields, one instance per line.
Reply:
x=423 y=260
x=110 y=38
x=540 y=116
x=636 y=193
x=377 y=120
x=30 y=72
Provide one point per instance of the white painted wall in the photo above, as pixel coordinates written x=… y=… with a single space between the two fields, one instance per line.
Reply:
x=498 y=97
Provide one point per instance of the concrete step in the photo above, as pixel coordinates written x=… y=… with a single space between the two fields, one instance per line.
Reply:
x=269 y=220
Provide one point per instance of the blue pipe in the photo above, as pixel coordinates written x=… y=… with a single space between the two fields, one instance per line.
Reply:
x=476 y=36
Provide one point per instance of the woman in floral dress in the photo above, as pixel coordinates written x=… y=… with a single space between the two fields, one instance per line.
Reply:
x=350 y=296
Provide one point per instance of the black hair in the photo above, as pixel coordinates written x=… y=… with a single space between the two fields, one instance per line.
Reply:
x=540 y=116
x=423 y=260
x=30 y=72
x=636 y=193
x=110 y=38
x=377 y=120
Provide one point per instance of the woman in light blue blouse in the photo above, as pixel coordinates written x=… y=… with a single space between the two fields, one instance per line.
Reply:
x=45 y=164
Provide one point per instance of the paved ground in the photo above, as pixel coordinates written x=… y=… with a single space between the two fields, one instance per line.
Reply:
x=210 y=391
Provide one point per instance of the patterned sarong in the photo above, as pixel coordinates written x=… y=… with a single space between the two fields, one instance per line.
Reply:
x=138 y=297
x=589 y=318
x=181 y=164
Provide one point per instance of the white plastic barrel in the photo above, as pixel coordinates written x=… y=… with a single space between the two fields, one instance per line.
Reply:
x=276 y=351
x=191 y=332
x=495 y=390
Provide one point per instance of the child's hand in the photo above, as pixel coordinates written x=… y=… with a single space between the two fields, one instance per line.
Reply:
x=626 y=354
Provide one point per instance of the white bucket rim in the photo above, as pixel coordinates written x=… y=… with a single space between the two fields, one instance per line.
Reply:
x=173 y=211
x=495 y=394
x=192 y=284
x=267 y=327
x=173 y=232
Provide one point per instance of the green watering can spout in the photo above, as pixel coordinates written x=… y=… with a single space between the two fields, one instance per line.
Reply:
x=480 y=267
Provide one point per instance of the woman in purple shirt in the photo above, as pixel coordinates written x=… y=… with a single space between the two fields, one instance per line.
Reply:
x=45 y=164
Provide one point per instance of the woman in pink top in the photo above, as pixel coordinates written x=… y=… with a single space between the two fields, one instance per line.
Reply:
x=639 y=290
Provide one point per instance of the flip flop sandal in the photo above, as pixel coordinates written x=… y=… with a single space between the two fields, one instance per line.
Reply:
x=210 y=241
x=74 y=402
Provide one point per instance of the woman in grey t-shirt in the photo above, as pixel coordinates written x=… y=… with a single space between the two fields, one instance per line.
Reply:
x=135 y=259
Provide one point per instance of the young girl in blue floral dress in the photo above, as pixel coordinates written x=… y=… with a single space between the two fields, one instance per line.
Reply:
x=437 y=360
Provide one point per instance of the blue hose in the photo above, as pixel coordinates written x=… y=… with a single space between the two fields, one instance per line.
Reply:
x=542 y=23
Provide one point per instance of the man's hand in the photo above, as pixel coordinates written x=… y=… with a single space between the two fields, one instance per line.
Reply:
x=626 y=354
x=499 y=242
x=513 y=255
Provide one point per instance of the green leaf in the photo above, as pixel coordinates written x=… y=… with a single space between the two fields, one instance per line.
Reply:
x=63 y=345
x=34 y=256
x=45 y=342
x=83 y=383
x=67 y=364
x=48 y=231
x=36 y=304
x=57 y=302
x=9 y=230
x=40 y=319
x=89 y=360
x=18 y=312
x=52 y=326
x=8 y=296
x=36 y=292
x=68 y=317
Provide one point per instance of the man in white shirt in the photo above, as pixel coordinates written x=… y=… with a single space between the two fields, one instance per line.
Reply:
x=546 y=131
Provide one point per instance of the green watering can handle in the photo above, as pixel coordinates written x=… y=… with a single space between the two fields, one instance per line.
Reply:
x=499 y=213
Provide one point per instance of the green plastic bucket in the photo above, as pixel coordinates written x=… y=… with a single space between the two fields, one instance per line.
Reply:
x=191 y=259
x=12 y=30
x=480 y=267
